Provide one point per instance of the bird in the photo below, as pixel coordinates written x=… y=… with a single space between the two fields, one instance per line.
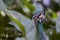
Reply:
x=39 y=16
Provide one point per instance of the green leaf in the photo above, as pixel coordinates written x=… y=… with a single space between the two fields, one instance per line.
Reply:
x=28 y=24
x=24 y=3
x=3 y=8
x=19 y=24
x=30 y=6
x=19 y=20
x=24 y=0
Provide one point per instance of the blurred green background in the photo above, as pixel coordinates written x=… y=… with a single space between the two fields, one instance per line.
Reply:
x=26 y=8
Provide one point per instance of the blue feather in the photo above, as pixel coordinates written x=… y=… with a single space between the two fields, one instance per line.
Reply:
x=41 y=32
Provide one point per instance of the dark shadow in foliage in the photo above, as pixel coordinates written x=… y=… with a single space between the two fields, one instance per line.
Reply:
x=47 y=24
x=55 y=36
x=3 y=22
x=54 y=6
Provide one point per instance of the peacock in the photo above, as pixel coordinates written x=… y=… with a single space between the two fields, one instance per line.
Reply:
x=39 y=16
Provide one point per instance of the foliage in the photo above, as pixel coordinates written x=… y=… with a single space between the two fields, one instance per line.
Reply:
x=20 y=6
x=10 y=6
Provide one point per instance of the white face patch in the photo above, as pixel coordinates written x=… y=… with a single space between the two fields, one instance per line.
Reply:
x=41 y=17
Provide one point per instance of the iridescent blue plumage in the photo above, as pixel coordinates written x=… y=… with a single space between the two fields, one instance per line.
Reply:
x=41 y=32
x=40 y=27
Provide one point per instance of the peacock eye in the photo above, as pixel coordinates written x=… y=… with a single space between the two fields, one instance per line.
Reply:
x=39 y=14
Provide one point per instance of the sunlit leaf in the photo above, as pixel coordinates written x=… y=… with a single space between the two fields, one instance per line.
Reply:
x=12 y=18
x=3 y=23
x=30 y=6
x=27 y=23
x=18 y=23
x=24 y=0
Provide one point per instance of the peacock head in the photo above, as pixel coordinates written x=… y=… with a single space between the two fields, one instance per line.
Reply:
x=39 y=16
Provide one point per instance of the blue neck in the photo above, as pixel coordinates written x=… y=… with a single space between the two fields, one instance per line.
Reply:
x=40 y=27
